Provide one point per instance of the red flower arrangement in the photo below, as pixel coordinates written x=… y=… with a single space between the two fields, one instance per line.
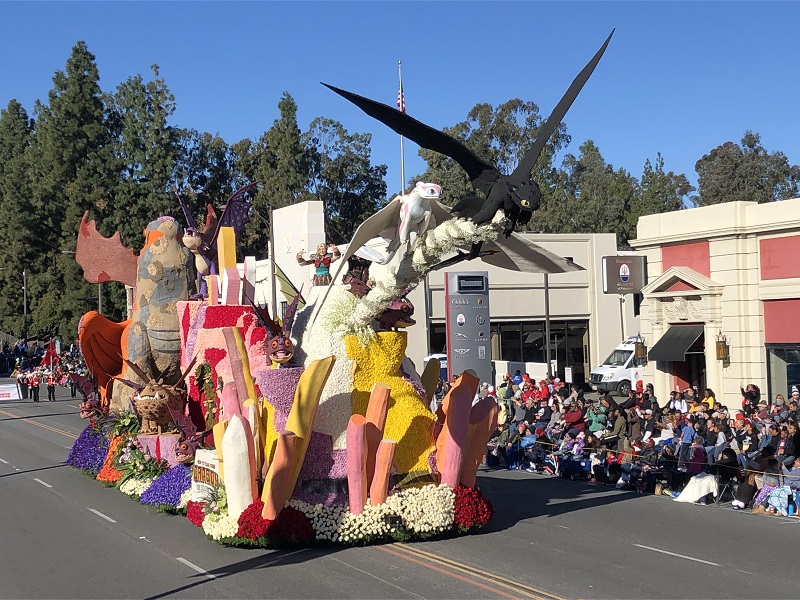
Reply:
x=472 y=509
x=291 y=527
x=194 y=512
x=251 y=524
x=108 y=474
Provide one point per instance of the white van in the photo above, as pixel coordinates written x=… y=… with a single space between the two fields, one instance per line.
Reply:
x=619 y=371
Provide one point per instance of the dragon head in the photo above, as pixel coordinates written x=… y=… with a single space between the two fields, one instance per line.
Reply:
x=279 y=344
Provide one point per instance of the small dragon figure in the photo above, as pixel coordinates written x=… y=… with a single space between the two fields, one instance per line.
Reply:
x=279 y=345
x=155 y=402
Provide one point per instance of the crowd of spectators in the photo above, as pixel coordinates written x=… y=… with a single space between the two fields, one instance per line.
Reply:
x=689 y=447
x=32 y=370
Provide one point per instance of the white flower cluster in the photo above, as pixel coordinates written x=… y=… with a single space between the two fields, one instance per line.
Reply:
x=220 y=525
x=184 y=501
x=427 y=509
x=135 y=487
x=326 y=520
x=371 y=524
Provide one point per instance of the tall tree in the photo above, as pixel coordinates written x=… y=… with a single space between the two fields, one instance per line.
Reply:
x=146 y=150
x=499 y=135
x=18 y=241
x=659 y=191
x=746 y=172
x=71 y=171
x=342 y=177
x=597 y=198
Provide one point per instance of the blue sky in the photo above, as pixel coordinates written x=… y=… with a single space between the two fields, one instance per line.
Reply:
x=678 y=78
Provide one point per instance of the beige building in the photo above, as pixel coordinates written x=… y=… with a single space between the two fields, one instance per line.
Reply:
x=729 y=272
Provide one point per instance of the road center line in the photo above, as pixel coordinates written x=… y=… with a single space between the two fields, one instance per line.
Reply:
x=42 y=482
x=101 y=515
x=402 y=589
x=193 y=566
x=705 y=562
x=5 y=462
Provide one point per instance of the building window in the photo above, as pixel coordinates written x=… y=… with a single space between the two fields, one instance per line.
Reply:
x=783 y=368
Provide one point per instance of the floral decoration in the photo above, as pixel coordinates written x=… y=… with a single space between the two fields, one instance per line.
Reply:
x=186 y=496
x=168 y=487
x=220 y=526
x=133 y=462
x=135 y=487
x=426 y=510
x=195 y=512
x=109 y=473
x=89 y=451
x=251 y=524
x=471 y=509
x=326 y=520
x=290 y=528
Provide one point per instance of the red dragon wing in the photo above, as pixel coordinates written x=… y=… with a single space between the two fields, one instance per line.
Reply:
x=104 y=259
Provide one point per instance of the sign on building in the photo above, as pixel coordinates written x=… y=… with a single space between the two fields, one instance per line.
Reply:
x=467 y=319
x=624 y=274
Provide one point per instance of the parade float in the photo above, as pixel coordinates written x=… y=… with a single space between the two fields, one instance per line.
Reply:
x=313 y=425
x=311 y=428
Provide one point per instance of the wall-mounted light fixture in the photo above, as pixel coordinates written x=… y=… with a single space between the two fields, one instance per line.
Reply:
x=723 y=348
x=640 y=349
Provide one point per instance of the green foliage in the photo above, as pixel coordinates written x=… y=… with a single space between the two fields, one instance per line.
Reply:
x=132 y=462
x=746 y=172
x=342 y=177
x=124 y=424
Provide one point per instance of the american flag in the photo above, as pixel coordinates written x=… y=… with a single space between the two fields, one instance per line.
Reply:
x=401 y=100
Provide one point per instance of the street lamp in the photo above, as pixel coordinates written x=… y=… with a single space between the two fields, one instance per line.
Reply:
x=99 y=285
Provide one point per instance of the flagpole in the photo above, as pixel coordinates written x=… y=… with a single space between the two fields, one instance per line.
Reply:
x=402 y=102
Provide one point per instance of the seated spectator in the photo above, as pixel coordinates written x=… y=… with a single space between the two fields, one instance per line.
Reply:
x=595 y=418
x=749 y=487
x=614 y=437
x=641 y=465
x=772 y=479
x=573 y=418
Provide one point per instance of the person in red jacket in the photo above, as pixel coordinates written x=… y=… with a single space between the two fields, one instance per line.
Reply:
x=33 y=385
x=51 y=387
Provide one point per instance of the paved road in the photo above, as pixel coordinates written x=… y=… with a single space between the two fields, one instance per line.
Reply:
x=66 y=536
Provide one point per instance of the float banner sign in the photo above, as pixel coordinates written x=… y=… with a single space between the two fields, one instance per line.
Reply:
x=467 y=324
x=624 y=274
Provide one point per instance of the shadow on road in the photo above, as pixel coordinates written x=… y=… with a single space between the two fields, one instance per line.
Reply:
x=516 y=497
x=34 y=470
x=27 y=417
x=274 y=558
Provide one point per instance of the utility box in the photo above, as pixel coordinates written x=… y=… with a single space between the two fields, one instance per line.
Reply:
x=467 y=324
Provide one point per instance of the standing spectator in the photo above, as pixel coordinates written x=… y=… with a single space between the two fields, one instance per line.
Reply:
x=22 y=384
x=795 y=395
x=73 y=385
x=33 y=385
x=750 y=395
x=51 y=386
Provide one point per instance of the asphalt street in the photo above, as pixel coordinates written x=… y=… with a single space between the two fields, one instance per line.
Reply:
x=66 y=536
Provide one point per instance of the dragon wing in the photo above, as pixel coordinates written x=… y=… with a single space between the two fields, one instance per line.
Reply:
x=187 y=213
x=481 y=173
x=104 y=259
x=287 y=288
x=517 y=253
x=385 y=218
x=525 y=166
x=236 y=214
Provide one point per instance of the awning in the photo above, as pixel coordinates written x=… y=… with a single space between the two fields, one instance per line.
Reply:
x=675 y=342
